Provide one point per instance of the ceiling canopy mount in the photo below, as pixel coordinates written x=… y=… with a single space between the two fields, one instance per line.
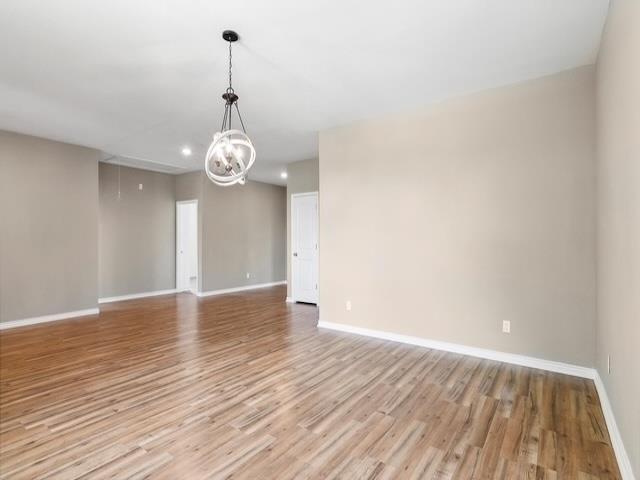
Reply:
x=230 y=36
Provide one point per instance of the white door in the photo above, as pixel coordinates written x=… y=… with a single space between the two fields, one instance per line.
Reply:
x=304 y=247
x=187 y=245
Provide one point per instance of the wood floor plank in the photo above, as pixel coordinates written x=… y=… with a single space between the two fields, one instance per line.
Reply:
x=246 y=386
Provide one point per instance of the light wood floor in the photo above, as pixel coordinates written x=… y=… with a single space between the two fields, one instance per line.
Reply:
x=246 y=386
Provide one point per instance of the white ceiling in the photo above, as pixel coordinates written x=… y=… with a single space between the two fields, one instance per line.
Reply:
x=142 y=78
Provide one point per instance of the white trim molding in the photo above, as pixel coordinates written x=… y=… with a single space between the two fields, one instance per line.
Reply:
x=240 y=289
x=522 y=360
x=136 y=295
x=48 y=318
x=624 y=462
x=289 y=300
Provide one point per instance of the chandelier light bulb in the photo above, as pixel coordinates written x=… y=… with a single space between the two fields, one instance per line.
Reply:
x=224 y=168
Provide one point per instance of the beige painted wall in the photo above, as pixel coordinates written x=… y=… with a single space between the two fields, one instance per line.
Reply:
x=302 y=177
x=48 y=227
x=243 y=230
x=137 y=231
x=618 y=260
x=444 y=222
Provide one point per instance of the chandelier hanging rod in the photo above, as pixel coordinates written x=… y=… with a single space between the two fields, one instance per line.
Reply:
x=230 y=96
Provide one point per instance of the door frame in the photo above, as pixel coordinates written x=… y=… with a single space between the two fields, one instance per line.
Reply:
x=291 y=233
x=178 y=216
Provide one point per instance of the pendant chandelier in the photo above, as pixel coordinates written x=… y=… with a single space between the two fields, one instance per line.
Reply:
x=231 y=154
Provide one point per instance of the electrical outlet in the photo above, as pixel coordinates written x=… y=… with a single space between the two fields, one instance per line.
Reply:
x=506 y=326
x=248 y=275
x=139 y=186
x=348 y=305
x=608 y=363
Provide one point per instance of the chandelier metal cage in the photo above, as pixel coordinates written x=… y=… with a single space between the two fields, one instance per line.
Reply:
x=231 y=153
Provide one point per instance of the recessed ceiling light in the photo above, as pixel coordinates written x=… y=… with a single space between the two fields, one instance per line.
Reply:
x=283 y=175
x=186 y=151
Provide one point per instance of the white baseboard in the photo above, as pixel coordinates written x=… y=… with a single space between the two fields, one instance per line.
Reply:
x=240 y=289
x=523 y=360
x=136 y=295
x=48 y=318
x=624 y=462
x=289 y=300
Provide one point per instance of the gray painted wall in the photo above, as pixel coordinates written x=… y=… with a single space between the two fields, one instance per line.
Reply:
x=243 y=230
x=48 y=227
x=240 y=230
x=618 y=328
x=444 y=222
x=137 y=231
x=189 y=186
x=66 y=238
x=302 y=177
